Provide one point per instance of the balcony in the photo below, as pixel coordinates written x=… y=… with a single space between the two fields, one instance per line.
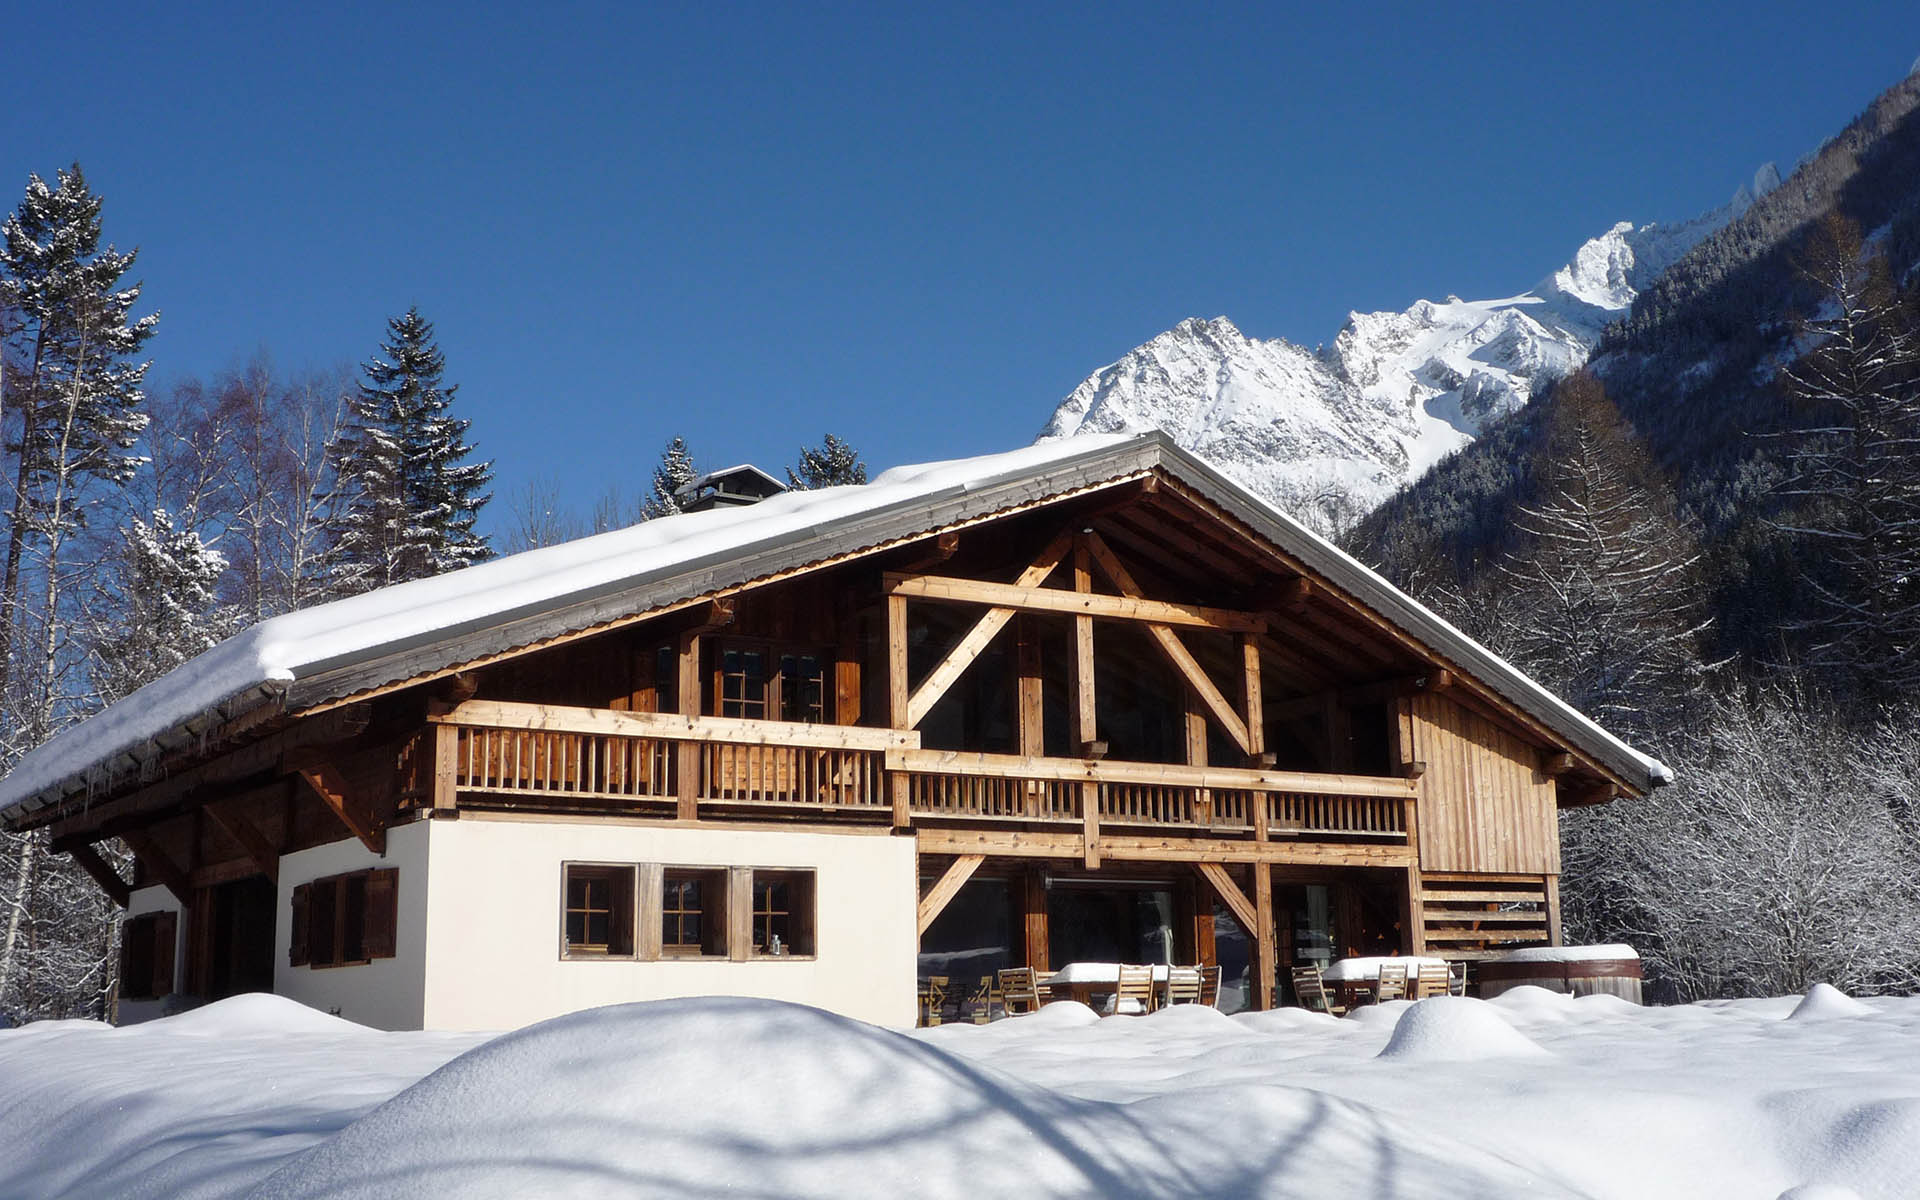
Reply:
x=496 y=754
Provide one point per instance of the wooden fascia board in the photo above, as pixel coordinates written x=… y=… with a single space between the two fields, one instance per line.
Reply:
x=1129 y=848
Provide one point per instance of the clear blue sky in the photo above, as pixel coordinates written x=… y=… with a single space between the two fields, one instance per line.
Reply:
x=753 y=224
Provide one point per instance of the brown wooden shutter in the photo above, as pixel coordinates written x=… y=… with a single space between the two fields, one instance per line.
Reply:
x=800 y=922
x=381 y=912
x=165 y=929
x=297 y=944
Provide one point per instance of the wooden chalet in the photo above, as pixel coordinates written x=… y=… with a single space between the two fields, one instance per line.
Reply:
x=1084 y=701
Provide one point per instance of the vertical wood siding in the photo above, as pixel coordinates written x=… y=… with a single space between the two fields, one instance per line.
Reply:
x=1484 y=803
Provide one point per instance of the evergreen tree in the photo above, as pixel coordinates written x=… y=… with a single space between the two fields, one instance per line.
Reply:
x=674 y=473
x=404 y=503
x=163 y=609
x=829 y=465
x=1610 y=588
x=1854 y=476
x=73 y=403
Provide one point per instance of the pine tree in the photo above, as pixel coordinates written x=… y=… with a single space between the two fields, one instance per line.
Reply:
x=1854 y=476
x=404 y=504
x=74 y=401
x=829 y=465
x=1609 y=576
x=674 y=473
x=163 y=609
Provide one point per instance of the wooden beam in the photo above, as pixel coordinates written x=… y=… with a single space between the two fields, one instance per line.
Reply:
x=102 y=872
x=947 y=886
x=1553 y=909
x=1090 y=843
x=1253 y=704
x=949 y=590
x=326 y=782
x=263 y=853
x=446 y=768
x=945 y=546
x=1175 y=649
x=1014 y=766
x=1031 y=688
x=972 y=644
x=1085 y=708
x=160 y=864
x=1230 y=895
x=1556 y=764
x=691 y=702
x=335 y=725
x=1020 y=843
x=1033 y=910
x=560 y=718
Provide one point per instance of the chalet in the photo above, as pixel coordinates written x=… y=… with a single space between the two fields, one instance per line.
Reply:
x=1083 y=701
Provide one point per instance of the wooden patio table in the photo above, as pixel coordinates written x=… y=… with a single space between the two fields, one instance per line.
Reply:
x=1353 y=978
x=1086 y=981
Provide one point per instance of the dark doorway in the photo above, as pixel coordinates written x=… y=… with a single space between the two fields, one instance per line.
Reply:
x=240 y=951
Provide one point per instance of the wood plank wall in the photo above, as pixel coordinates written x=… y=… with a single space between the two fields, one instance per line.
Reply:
x=1484 y=803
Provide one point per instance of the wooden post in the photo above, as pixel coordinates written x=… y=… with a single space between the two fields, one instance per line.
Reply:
x=1033 y=911
x=1266 y=957
x=1197 y=755
x=898 y=715
x=1252 y=704
x=1030 y=705
x=446 y=769
x=1413 y=905
x=1553 y=910
x=688 y=694
x=1085 y=722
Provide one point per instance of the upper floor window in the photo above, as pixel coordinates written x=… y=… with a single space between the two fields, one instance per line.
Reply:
x=759 y=682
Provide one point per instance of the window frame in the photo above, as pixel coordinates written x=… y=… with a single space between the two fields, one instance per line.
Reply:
x=775 y=685
x=713 y=913
x=801 y=914
x=623 y=902
x=360 y=918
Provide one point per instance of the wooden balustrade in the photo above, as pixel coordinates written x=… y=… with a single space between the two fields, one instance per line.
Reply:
x=603 y=758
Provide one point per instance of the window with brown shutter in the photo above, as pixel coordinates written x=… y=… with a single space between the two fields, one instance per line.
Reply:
x=346 y=919
x=146 y=955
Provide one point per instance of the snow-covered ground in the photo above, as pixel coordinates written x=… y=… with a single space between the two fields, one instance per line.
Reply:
x=1533 y=1094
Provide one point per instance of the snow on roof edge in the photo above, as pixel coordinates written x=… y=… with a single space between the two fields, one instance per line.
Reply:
x=311 y=641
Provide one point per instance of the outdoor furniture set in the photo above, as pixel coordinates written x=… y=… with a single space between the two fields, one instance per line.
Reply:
x=1109 y=988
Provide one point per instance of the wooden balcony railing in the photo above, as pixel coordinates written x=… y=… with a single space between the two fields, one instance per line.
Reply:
x=946 y=784
x=648 y=761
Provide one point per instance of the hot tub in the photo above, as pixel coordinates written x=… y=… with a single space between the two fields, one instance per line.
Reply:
x=1612 y=969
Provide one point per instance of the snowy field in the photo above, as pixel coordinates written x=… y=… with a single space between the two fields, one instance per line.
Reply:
x=1533 y=1094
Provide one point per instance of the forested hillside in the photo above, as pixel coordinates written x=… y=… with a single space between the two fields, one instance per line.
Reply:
x=1711 y=538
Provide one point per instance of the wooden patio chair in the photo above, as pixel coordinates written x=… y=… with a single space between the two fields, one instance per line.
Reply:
x=1434 y=980
x=1457 y=982
x=1133 y=994
x=933 y=999
x=1182 y=987
x=984 y=998
x=1020 y=991
x=1391 y=984
x=1210 y=986
x=1310 y=988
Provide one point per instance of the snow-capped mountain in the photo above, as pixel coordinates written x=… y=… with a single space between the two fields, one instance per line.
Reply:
x=1329 y=433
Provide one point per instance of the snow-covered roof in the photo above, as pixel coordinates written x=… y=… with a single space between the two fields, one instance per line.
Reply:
x=714 y=477
x=331 y=651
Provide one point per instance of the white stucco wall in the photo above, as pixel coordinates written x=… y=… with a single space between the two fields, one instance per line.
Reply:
x=387 y=992
x=493 y=921
x=148 y=900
